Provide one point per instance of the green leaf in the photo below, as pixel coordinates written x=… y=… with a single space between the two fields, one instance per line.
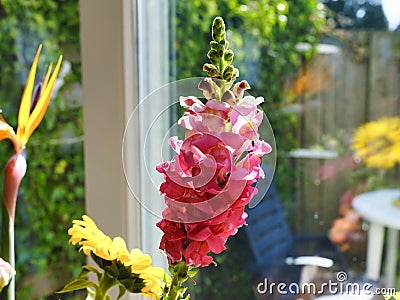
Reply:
x=121 y=292
x=87 y=269
x=192 y=271
x=91 y=294
x=77 y=284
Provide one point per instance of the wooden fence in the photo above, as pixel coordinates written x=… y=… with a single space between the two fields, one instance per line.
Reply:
x=343 y=89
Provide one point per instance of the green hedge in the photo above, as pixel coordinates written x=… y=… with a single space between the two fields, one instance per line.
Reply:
x=52 y=193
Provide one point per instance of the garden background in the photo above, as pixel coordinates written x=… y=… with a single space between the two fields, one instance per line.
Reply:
x=310 y=93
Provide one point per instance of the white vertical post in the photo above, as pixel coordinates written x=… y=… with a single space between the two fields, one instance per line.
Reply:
x=109 y=89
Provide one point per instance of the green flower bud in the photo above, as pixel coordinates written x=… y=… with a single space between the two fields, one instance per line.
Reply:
x=220 y=56
x=214 y=74
x=213 y=56
x=228 y=72
x=228 y=56
x=220 y=48
x=214 y=44
x=211 y=70
x=209 y=67
x=218 y=29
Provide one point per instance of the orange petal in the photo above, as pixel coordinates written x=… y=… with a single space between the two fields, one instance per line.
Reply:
x=6 y=131
x=24 y=108
x=38 y=113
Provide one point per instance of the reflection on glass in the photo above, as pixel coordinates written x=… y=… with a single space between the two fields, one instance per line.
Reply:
x=323 y=75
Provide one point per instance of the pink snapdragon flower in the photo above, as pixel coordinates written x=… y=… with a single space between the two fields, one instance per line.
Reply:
x=192 y=242
x=209 y=181
x=202 y=181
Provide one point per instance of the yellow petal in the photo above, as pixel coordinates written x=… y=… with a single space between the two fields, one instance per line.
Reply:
x=119 y=244
x=87 y=222
x=46 y=79
x=38 y=113
x=25 y=106
x=118 y=248
x=6 y=130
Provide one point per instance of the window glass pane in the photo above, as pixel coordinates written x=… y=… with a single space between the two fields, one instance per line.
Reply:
x=324 y=68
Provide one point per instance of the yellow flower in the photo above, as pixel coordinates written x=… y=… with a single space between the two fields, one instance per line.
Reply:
x=33 y=106
x=395 y=296
x=93 y=241
x=377 y=143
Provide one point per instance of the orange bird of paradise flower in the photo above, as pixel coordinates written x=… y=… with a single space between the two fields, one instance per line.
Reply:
x=33 y=106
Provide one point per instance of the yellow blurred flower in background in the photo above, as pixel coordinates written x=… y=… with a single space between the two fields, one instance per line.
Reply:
x=395 y=296
x=377 y=143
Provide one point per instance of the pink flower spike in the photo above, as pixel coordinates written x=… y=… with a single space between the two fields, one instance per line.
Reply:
x=196 y=254
x=229 y=98
x=216 y=244
x=209 y=88
x=260 y=148
x=192 y=104
x=175 y=143
x=251 y=101
x=15 y=170
x=239 y=88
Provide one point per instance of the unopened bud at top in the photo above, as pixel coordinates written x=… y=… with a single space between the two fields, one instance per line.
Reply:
x=218 y=29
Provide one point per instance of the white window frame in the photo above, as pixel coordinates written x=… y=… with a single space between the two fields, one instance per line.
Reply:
x=123 y=46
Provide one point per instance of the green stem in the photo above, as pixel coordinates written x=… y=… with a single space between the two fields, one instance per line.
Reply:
x=7 y=252
x=180 y=275
x=173 y=293
x=105 y=284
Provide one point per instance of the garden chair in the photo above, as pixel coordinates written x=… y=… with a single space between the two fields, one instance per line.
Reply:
x=274 y=248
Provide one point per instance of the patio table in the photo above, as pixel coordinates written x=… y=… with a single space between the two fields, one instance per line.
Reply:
x=377 y=208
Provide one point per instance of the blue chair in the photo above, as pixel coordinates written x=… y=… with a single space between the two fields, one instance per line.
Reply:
x=275 y=250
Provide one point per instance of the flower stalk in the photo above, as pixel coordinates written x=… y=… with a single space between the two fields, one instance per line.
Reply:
x=14 y=172
x=105 y=284
x=180 y=274
x=7 y=252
